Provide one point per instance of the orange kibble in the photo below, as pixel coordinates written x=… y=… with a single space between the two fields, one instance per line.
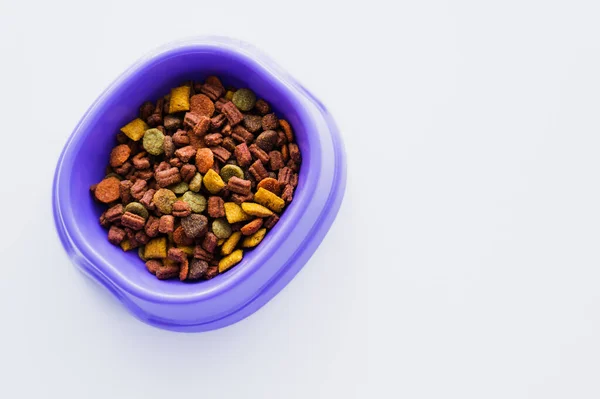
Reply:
x=200 y=104
x=287 y=129
x=119 y=155
x=108 y=190
x=270 y=184
x=204 y=160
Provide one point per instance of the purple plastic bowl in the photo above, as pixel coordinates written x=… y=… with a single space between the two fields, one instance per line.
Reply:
x=264 y=271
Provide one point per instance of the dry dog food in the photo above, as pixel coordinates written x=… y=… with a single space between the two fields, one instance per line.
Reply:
x=197 y=179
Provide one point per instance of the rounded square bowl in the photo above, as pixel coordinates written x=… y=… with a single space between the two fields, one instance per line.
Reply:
x=263 y=272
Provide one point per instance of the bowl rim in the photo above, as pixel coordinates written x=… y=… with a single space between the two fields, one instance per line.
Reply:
x=72 y=241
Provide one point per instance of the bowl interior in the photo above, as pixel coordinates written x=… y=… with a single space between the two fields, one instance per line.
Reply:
x=90 y=150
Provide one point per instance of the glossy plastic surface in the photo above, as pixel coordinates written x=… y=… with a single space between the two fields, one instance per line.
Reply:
x=264 y=271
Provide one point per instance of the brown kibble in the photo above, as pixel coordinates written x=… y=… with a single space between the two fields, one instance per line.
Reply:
x=108 y=190
x=211 y=272
x=141 y=161
x=185 y=153
x=259 y=153
x=210 y=242
x=151 y=227
x=253 y=123
x=243 y=155
x=181 y=138
x=220 y=153
x=233 y=114
x=288 y=193
x=216 y=207
x=190 y=120
x=116 y=235
x=213 y=139
x=188 y=172
x=212 y=91
x=153 y=265
x=119 y=155
x=200 y=104
x=252 y=227
x=267 y=140
x=276 y=160
x=242 y=135
x=285 y=154
x=258 y=171
x=270 y=122
x=270 y=184
x=294 y=153
x=133 y=221
x=197 y=270
x=181 y=209
x=166 y=224
x=114 y=213
x=262 y=107
x=138 y=189
x=180 y=238
x=204 y=160
x=202 y=126
x=237 y=185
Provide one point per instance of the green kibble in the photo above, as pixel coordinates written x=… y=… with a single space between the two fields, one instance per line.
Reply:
x=164 y=199
x=196 y=183
x=153 y=141
x=196 y=202
x=179 y=188
x=137 y=209
x=228 y=171
x=221 y=228
x=244 y=99
x=141 y=253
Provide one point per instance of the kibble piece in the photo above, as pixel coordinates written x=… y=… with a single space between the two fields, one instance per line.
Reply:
x=254 y=239
x=153 y=141
x=270 y=200
x=179 y=188
x=221 y=228
x=197 y=269
x=156 y=248
x=287 y=129
x=256 y=210
x=244 y=99
x=116 y=235
x=195 y=225
x=233 y=114
x=164 y=199
x=108 y=190
x=168 y=270
x=138 y=189
x=229 y=171
x=187 y=249
x=234 y=213
x=180 y=238
x=153 y=265
x=216 y=207
x=230 y=244
x=137 y=209
x=270 y=184
x=114 y=213
x=210 y=242
x=204 y=160
x=196 y=201
x=119 y=155
x=133 y=221
x=213 y=182
x=180 y=99
x=267 y=140
x=151 y=227
x=181 y=209
x=200 y=104
x=135 y=129
x=230 y=260
x=252 y=227
x=253 y=123
x=196 y=183
x=126 y=245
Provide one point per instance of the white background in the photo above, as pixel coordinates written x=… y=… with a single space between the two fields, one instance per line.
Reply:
x=463 y=264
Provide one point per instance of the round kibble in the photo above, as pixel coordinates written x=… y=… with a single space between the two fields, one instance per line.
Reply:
x=196 y=202
x=164 y=199
x=119 y=155
x=108 y=190
x=221 y=228
x=137 y=209
x=228 y=171
x=196 y=183
x=200 y=104
x=244 y=99
x=153 y=141
x=197 y=270
x=179 y=188
x=204 y=159
x=194 y=225
x=267 y=140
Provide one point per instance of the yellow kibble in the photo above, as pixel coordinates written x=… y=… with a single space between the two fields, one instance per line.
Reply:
x=126 y=245
x=180 y=99
x=156 y=248
x=270 y=200
x=213 y=182
x=230 y=260
x=230 y=243
x=186 y=249
x=135 y=129
x=229 y=95
x=254 y=239
x=234 y=213
x=220 y=242
x=256 y=210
